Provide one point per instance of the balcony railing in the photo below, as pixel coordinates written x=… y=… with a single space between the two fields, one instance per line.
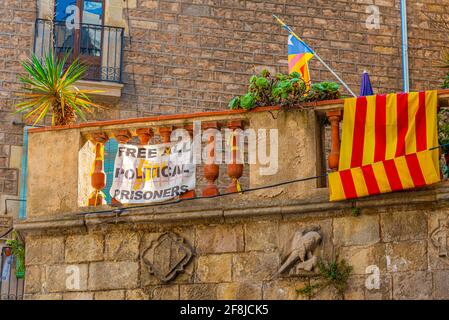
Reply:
x=11 y=287
x=305 y=149
x=99 y=47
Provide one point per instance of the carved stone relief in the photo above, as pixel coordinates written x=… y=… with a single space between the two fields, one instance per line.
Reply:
x=167 y=256
x=299 y=253
x=439 y=237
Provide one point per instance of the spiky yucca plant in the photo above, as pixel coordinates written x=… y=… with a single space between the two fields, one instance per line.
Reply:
x=50 y=88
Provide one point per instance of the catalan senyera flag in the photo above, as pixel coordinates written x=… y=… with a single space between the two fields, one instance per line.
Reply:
x=389 y=143
x=299 y=55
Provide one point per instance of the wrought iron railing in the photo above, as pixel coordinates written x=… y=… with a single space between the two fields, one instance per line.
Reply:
x=99 y=47
x=11 y=287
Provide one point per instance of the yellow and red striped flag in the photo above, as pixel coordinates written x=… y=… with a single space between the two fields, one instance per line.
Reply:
x=386 y=145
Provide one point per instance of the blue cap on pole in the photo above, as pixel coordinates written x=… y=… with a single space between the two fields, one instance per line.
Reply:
x=366 y=88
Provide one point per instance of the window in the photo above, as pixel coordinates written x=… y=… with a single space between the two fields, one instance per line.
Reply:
x=83 y=41
x=97 y=46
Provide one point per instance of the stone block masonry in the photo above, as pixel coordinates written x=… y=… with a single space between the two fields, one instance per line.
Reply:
x=239 y=257
x=197 y=56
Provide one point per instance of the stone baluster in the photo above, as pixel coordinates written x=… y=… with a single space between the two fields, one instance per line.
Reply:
x=145 y=135
x=98 y=177
x=211 y=169
x=334 y=118
x=122 y=136
x=235 y=170
x=165 y=133
x=191 y=193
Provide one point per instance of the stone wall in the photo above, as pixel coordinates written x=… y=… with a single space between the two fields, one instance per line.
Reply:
x=16 y=38
x=237 y=252
x=185 y=56
x=188 y=56
x=295 y=156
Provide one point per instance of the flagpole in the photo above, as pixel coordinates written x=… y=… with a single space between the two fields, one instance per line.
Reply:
x=316 y=55
x=335 y=75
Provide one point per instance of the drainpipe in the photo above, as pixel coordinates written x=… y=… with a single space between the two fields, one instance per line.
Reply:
x=405 y=70
x=23 y=176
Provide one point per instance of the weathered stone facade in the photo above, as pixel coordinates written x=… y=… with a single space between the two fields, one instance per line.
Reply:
x=237 y=253
x=235 y=246
x=188 y=56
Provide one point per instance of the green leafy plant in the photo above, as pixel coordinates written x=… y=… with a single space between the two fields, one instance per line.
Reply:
x=308 y=291
x=289 y=90
x=446 y=82
x=443 y=129
x=234 y=103
x=324 y=91
x=443 y=138
x=49 y=86
x=355 y=211
x=282 y=89
x=247 y=101
x=333 y=274
x=18 y=250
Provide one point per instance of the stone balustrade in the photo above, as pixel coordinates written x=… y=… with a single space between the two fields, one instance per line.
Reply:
x=300 y=153
x=144 y=134
x=239 y=240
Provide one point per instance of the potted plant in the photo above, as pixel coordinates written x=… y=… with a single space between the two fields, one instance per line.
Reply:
x=284 y=90
x=323 y=91
x=50 y=89
x=18 y=251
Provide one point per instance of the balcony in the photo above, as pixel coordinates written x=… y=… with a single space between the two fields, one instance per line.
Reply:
x=306 y=149
x=99 y=47
x=228 y=236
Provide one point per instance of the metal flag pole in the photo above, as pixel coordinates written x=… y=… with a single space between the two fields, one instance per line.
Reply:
x=286 y=27
x=404 y=34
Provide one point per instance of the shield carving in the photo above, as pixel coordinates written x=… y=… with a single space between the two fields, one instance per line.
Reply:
x=167 y=256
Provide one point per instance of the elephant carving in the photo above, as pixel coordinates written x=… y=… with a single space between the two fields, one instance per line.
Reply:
x=298 y=253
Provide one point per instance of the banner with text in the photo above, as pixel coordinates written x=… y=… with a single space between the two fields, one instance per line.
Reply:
x=155 y=173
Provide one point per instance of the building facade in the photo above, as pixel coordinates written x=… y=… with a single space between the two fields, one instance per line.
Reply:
x=155 y=57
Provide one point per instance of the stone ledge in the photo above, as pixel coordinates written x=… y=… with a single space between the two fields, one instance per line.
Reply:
x=207 y=209
x=319 y=107
x=107 y=88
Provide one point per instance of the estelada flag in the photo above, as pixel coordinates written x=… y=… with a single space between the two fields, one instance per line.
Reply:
x=299 y=55
x=389 y=143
